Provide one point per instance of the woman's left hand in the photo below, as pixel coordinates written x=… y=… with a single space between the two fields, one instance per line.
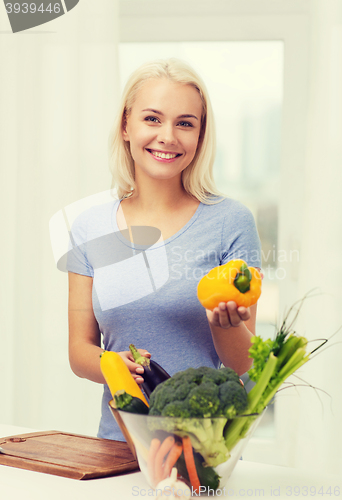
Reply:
x=228 y=314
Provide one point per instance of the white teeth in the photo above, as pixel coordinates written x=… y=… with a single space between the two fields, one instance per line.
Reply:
x=167 y=156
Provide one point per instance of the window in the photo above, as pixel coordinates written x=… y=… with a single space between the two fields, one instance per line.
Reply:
x=244 y=80
x=154 y=25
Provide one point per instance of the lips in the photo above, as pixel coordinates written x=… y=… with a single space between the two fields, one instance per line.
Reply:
x=164 y=155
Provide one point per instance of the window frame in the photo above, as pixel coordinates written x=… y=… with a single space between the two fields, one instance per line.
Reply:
x=251 y=20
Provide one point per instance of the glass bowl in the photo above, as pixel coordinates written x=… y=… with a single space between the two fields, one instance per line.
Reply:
x=140 y=430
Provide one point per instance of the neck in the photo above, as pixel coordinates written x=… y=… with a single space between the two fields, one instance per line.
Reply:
x=163 y=195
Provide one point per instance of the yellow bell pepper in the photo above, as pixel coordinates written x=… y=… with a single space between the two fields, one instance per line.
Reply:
x=234 y=281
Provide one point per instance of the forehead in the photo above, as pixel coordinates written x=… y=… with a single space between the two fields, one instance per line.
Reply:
x=165 y=95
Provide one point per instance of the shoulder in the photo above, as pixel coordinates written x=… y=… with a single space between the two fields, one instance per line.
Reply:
x=96 y=211
x=229 y=210
x=94 y=220
x=240 y=237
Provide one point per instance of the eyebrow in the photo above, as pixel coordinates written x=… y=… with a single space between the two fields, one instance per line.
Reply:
x=162 y=114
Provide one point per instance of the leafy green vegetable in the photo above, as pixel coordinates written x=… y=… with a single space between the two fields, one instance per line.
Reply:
x=204 y=402
x=273 y=362
x=201 y=400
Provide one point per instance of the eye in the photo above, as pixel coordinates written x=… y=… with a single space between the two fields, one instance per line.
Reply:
x=152 y=119
x=185 y=124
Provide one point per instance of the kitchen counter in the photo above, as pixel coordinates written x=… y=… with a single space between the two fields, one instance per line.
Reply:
x=249 y=479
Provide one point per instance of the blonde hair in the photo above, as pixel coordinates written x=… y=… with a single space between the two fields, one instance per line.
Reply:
x=197 y=177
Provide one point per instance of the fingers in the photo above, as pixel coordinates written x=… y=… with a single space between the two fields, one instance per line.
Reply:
x=237 y=314
x=139 y=370
x=224 y=318
x=228 y=314
x=135 y=369
x=144 y=353
x=139 y=380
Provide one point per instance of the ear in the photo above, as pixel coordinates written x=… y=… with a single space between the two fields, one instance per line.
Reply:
x=125 y=135
x=124 y=128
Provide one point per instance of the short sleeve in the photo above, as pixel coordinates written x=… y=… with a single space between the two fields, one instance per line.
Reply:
x=240 y=239
x=77 y=260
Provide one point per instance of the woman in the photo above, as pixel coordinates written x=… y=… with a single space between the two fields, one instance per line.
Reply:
x=162 y=153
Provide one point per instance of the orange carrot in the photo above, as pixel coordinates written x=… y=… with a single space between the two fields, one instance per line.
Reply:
x=152 y=452
x=190 y=464
x=172 y=458
x=161 y=454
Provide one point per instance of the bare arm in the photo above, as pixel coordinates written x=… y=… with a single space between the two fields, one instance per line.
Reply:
x=84 y=334
x=232 y=342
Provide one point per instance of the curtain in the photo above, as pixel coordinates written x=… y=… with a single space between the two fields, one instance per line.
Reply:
x=58 y=97
x=310 y=425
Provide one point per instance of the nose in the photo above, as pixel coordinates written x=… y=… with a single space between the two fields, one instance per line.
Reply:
x=166 y=135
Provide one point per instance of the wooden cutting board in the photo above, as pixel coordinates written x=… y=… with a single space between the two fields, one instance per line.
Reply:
x=68 y=455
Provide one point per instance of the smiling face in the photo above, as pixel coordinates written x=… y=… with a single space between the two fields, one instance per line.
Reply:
x=163 y=128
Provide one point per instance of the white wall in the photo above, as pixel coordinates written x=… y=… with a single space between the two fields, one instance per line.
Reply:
x=58 y=92
x=58 y=95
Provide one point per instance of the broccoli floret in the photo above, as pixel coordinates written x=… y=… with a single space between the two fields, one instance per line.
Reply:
x=230 y=375
x=161 y=399
x=233 y=399
x=182 y=391
x=191 y=375
x=204 y=399
x=176 y=409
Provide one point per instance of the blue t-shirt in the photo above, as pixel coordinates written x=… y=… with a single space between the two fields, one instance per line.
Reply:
x=146 y=293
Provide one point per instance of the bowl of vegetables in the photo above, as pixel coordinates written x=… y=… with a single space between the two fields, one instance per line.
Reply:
x=197 y=422
x=162 y=444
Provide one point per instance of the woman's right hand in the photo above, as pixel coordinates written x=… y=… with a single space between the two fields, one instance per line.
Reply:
x=135 y=369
